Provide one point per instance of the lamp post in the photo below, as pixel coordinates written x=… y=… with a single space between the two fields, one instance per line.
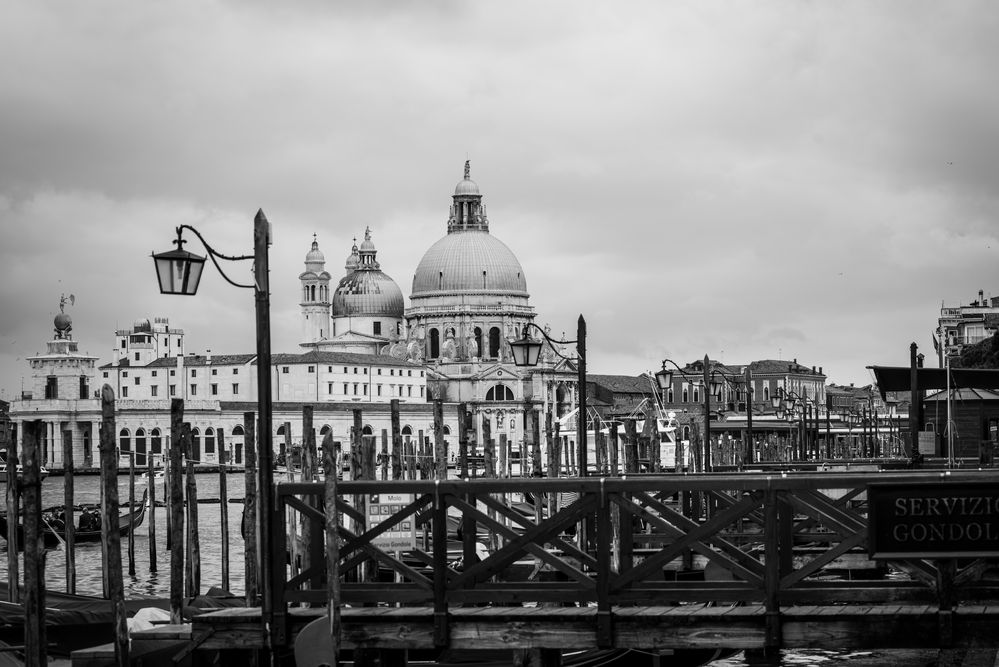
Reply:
x=179 y=272
x=527 y=352
x=664 y=378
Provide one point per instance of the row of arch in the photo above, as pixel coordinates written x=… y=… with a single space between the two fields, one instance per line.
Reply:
x=310 y=293
x=493 y=339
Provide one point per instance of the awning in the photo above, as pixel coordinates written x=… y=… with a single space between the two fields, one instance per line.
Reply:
x=898 y=378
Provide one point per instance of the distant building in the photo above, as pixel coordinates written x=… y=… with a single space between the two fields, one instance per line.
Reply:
x=961 y=326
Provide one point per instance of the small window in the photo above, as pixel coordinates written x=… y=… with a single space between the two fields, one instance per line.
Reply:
x=137 y=380
x=355 y=370
x=329 y=387
x=154 y=373
x=391 y=371
x=215 y=389
x=124 y=391
x=345 y=370
x=284 y=369
x=172 y=372
x=329 y=369
x=379 y=390
x=409 y=373
x=355 y=389
x=379 y=372
x=235 y=371
x=105 y=373
x=194 y=390
x=235 y=389
x=153 y=391
x=194 y=372
x=124 y=374
x=312 y=369
x=344 y=388
x=173 y=390
x=136 y=356
x=378 y=329
x=215 y=371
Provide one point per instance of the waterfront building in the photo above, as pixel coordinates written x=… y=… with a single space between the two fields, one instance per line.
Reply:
x=960 y=326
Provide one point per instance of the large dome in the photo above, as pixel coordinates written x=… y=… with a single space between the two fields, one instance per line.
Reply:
x=469 y=261
x=367 y=292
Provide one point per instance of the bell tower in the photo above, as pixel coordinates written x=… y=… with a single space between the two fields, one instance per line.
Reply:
x=315 y=296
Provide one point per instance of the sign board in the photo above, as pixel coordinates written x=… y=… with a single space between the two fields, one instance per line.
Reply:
x=381 y=507
x=927 y=443
x=935 y=520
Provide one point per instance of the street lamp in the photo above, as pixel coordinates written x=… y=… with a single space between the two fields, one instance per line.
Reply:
x=179 y=272
x=527 y=352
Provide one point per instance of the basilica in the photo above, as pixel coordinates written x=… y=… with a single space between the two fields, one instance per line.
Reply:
x=360 y=347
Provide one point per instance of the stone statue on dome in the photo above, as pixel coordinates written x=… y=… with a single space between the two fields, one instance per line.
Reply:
x=449 y=350
x=471 y=344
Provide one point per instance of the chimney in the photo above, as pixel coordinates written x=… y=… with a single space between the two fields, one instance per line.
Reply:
x=981 y=297
x=208 y=357
x=820 y=370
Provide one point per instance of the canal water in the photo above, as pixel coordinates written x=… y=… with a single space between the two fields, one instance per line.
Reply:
x=146 y=583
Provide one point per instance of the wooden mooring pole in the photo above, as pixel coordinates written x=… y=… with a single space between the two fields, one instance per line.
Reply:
x=249 y=522
x=193 y=569
x=34 y=551
x=131 y=514
x=151 y=490
x=69 y=521
x=332 y=546
x=224 y=509
x=13 y=511
x=109 y=525
x=176 y=510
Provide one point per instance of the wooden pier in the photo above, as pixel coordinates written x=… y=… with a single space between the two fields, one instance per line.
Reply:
x=611 y=567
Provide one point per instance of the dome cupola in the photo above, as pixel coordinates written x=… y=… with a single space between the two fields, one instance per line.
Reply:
x=366 y=290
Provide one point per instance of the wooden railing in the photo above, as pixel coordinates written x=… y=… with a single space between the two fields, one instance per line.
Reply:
x=768 y=539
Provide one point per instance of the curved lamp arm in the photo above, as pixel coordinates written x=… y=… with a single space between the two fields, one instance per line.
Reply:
x=527 y=349
x=214 y=254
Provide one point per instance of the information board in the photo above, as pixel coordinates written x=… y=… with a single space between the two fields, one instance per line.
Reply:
x=381 y=508
x=937 y=520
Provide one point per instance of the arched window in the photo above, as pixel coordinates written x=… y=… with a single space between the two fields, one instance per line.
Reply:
x=669 y=395
x=697 y=394
x=140 y=447
x=435 y=343
x=499 y=392
x=313 y=293
x=686 y=433
x=494 y=342
x=237 y=444
x=447 y=430
x=209 y=440
x=195 y=444
x=155 y=442
x=478 y=341
x=686 y=394
x=124 y=441
x=407 y=433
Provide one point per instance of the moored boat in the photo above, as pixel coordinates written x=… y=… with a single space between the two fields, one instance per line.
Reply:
x=88 y=528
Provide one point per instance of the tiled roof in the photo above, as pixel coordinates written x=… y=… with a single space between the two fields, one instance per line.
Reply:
x=623 y=384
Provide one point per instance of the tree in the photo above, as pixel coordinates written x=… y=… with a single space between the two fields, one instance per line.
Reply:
x=984 y=354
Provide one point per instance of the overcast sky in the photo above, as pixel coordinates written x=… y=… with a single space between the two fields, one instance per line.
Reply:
x=755 y=180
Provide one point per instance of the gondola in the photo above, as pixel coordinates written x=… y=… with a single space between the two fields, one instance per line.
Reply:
x=88 y=528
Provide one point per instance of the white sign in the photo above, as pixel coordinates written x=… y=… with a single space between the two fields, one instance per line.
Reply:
x=927 y=443
x=381 y=507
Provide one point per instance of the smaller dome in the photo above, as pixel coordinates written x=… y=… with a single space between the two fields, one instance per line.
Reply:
x=353 y=260
x=141 y=325
x=466 y=187
x=366 y=244
x=315 y=255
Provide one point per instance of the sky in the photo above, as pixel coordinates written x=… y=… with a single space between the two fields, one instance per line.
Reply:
x=759 y=180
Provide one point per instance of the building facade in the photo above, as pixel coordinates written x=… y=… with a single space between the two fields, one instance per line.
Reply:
x=960 y=326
